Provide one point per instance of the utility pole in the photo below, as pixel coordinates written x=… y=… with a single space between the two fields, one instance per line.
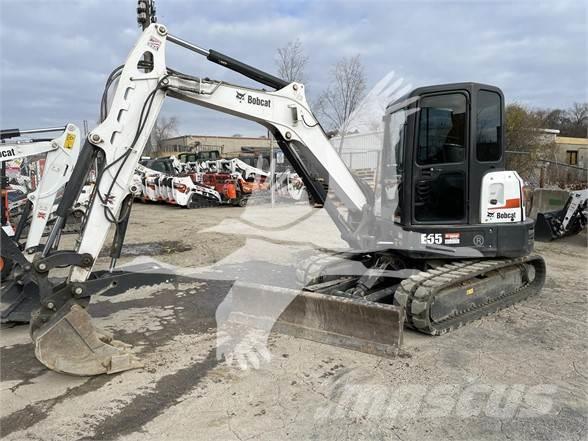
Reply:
x=146 y=13
x=272 y=170
x=146 y=16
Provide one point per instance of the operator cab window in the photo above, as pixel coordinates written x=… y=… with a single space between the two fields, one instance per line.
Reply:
x=442 y=129
x=439 y=187
x=393 y=164
x=489 y=126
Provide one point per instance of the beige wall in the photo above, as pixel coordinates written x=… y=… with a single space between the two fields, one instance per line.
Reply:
x=225 y=144
x=565 y=144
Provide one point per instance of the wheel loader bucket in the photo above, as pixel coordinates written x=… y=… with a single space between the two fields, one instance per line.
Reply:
x=356 y=324
x=544 y=230
x=70 y=344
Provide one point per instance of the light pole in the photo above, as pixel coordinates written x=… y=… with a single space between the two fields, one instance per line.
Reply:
x=272 y=170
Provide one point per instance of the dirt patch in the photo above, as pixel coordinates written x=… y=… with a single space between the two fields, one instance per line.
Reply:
x=307 y=390
x=151 y=248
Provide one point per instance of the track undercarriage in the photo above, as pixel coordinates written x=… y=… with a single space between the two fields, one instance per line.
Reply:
x=437 y=296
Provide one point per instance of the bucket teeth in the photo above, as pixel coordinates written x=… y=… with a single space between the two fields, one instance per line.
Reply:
x=70 y=344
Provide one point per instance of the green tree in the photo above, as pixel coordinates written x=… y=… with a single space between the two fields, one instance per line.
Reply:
x=526 y=142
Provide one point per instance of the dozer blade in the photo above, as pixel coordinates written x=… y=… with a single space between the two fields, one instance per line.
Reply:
x=70 y=344
x=355 y=324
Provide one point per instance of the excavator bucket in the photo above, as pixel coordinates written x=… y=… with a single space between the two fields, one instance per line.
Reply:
x=70 y=344
x=356 y=324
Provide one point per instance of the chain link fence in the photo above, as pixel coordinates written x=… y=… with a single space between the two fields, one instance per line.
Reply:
x=557 y=174
x=364 y=164
x=544 y=173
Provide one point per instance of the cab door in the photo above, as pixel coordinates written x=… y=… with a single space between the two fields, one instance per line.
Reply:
x=440 y=162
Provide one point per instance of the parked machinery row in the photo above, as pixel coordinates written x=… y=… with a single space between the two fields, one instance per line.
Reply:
x=211 y=183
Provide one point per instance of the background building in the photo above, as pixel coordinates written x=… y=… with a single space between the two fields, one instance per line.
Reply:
x=228 y=146
x=572 y=151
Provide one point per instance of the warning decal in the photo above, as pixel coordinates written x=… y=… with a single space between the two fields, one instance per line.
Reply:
x=70 y=139
x=452 y=238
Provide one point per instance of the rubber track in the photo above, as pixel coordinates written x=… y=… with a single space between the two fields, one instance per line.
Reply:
x=198 y=201
x=417 y=293
x=309 y=269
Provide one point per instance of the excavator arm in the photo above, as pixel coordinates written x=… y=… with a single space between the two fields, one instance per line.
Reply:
x=120 y=139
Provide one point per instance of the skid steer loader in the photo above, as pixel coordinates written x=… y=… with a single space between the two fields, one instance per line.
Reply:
x=570 y=220
x=446 y=243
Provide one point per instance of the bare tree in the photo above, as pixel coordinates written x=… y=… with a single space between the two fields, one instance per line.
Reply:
x=291 y=61
x=164 y=128
x=570 y=122
x=337 y=103
x=578 y=116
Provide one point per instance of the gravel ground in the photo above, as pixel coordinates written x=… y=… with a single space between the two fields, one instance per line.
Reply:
x=517 y=375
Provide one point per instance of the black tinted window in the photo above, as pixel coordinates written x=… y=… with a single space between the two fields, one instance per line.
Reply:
x=441 y=199
x=488 y=126
x=442 y=129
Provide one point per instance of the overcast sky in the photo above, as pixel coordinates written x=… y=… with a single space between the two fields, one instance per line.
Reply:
x=56 y=54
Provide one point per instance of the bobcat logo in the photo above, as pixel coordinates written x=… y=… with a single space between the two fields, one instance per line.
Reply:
x=241 y=96
x=490 y=214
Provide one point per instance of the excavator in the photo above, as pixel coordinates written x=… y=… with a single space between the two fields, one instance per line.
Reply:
x=61 y=155
x=445 y=243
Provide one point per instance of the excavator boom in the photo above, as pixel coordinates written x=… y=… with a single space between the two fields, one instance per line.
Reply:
x=64 y=337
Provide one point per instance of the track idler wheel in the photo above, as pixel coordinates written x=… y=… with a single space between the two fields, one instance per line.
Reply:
x=69 y=343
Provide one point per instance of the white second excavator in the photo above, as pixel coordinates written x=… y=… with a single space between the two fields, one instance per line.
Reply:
x=447 y=243
x=61 y=155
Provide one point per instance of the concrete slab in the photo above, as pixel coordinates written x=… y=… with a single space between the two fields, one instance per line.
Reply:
x=546 y=200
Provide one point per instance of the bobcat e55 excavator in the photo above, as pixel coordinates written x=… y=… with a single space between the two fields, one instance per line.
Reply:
x=446 y=243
